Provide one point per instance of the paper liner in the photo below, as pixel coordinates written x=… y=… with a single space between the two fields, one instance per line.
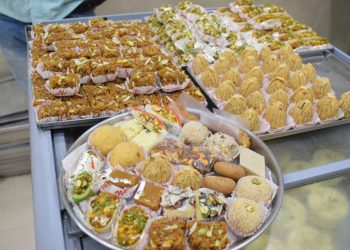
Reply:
x=62 y=91
x=141 y=90
x=234 y=230
x=113 y=189
x=314 y=120
x=85 y=79
x=103 y=78
x=46 y=74
x=140 y=244
x=109 y=234
x=124 y=72
x=174 y=87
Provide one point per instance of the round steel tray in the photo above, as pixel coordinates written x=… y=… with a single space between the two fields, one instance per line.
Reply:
x=257 y=145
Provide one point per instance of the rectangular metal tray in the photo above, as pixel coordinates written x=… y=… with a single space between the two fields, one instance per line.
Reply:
x=88 y=121
x=332 y=63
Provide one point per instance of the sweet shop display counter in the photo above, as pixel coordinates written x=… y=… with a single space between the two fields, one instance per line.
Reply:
x=316 y=164
x=316 y=167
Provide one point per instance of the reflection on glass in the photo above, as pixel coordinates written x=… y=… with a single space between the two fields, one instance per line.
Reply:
x=312 y=217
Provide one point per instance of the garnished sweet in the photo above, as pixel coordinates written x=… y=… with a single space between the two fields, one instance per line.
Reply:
x=210 y=78
x=236 y=105
x=188 y=177
x=223 y=146
x=122 y=179
x=156 y=169
x=167 y=233
x=277 y=83
x=194 y=133
x=251 y=116
x=102 y=209
x=327 y=107
x=178 y=202
x=209 y=204
x=302 y=112
x=321 y=87
x=256 y=72
x=280 y=96
x=254 y=188
x=245 y=216
x=248 y=63
x=310 y=72
x=131 y=225
x=222 y=65
x=296 y=80
x=82 y=187
x=225 y=90
x=270 y=63
x=130 y=128
x=208 y=235
x=302 y=93
x=249 y=85
x=199 y=64
x=276 y=115
x=281 y=71
x=233 y=76
x=256 y=101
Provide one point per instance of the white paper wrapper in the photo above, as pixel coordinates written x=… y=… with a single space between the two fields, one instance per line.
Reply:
x=103 y=78
x=175 y=87
x=62 y=91
x=46 y=74
x=85 y=79
x=141 y=90
x=124 y=72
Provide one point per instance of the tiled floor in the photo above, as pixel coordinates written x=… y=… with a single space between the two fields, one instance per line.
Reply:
x=16 y=216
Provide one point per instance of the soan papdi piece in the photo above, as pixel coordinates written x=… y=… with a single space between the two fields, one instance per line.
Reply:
x=248 y=63
x=199 y=64
x=281 y=71
x=104 y=138
x=309 y=72
x=249 y=51
x=294 y=62
x=222 y=66
x=344 y=103
x=252 y=119
x=225 y=90
x=296 y=80
x=284 y=52
x=302 y=112
x=302 y=93
x=210 y=78
x=256 y=72
x=327 y=107
x=270 y=63
x=277 y=83
x=280 y=96
x=256 y=101
x=276 y=115
x=232 y=75
x=265 y=53
x=249 y=85
x=321 y=87
x=230 y=55
x=236 y=105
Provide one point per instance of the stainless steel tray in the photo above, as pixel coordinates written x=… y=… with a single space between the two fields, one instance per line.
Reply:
x=333 y=64
x=257 y=145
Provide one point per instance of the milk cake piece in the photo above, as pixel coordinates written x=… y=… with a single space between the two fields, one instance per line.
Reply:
x=253 y=162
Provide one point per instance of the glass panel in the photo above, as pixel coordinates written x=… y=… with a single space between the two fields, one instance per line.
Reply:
x=312 y=149
x=315 y=216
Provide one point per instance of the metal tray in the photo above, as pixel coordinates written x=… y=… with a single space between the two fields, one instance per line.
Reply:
x=332 y=63
x=257 y=145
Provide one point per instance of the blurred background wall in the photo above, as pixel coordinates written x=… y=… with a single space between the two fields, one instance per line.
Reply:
x=329 y=18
